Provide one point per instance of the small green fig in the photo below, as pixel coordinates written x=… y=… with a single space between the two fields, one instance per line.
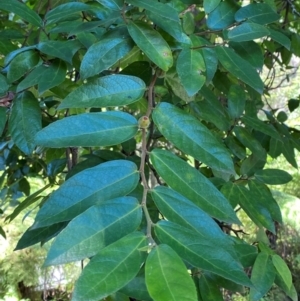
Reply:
x=144 y=122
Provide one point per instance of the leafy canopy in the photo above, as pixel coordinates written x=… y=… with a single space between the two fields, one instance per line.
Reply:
x=147 y=119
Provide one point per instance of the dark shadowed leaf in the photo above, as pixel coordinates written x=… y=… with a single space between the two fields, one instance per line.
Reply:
x=280 y=38
x=103 y=182
x=236 y=101
x=89 y=129
x=209 y=289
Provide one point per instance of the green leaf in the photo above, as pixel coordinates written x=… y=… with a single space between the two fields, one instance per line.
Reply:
x=190 y=66
x=282 y=270
x=136 y=288
x=196 y=250
x=22 y=128
x=262 y=276
x=280 y=38
x=252 y=205
x=273 y=176
x=288 y=152
x=293 y=104
x=95 y=228
x=33 y=236
x=250 y=52
x=275 y=148
x=261 y=192
x=164 y=16
x=236 y=101
x=21 y=64
x=65 y=10
x=9 y=57
x=64 y=50
x=22 y=10
x=107 y=91
x=103 y=54
x=97 y=184
x=176 y=208
x=248 y=140
x=261 y=126
x=192 y=137
x=189 y=182
x=46 y=77
x=222 y=16
x=260 y=13
x=152 y=44
x=246 y=253
x=253 y=163
x=26 y=203
x=209 y=290
x=247 y=31
x=188 y=23
x=89 y=129
x=240 y=68
x=3 y=85
x=112 y=4
x=167 y=277
x=210 y=5
x=2 y=232
x=111 y=269
x=3 y=119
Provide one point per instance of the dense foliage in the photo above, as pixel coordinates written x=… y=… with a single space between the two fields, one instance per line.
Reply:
x=147 y=118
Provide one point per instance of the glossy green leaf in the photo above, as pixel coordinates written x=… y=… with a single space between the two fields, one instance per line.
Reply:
x=261 y=126
x=273 y=176
x=260 y=13
x=21 y=64
x=247 y=32
x=209 y=290
x=190 y=67
x=22 y=128
x=252 y=205
x=89 y=129
x=10 y=56
x=107 y=91
x=46 y=77
x=196 y=250
x=210 y=5
x=188 y=23
x=22 y=10
x=164 y=16
x=102 y=182
x=64 y=50
x=222 y=16
x=176 y=208
x=236 y=101
x=34 y=236
x=167 y=277
x=280 y=38
x=105 y=53
x=152 y=44
x=261 y=192
x=262 y=276
x=240 y=68
x=111 y=269
x=282 y=270
x=189 y=182
x=192 y=137
x=249 y=51
x=95 y=228
x=112 y=4
x=64 y=10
